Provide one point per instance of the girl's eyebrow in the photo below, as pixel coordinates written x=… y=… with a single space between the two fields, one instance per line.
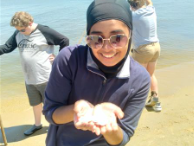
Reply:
x=96 y=32
x=117 y=31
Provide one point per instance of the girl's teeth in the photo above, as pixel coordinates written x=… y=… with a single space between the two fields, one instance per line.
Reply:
x=108 y=56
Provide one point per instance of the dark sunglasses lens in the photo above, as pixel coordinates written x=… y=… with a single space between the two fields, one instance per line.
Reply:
x=118 y=40
x=22 y=30
x=94 y=42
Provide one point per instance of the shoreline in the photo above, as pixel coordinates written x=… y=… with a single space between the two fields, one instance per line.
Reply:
x=173 y=126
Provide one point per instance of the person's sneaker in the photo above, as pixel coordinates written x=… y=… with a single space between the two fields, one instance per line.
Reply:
x=153 y=100
x=157 y=107
x=33 y=129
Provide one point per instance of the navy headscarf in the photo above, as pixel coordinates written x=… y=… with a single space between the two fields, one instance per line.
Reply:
x=101 y=10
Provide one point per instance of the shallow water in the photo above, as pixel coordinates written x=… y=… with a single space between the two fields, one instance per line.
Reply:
x=175 y=31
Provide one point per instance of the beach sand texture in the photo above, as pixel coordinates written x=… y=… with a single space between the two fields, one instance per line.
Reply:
x=174 y=126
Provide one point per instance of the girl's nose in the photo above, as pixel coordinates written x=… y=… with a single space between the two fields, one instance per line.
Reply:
x=106 y=44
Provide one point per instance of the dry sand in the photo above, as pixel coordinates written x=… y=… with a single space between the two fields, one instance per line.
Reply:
x=174 y=126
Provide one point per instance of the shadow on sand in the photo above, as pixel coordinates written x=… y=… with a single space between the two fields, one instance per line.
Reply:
x=16 y=133
x=149 y=109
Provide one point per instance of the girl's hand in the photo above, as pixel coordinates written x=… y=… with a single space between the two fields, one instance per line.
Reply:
x=105 y=117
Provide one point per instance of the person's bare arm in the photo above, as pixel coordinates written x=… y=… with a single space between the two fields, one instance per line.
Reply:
x=114 y=137
x=63 y=114
x=149 y=3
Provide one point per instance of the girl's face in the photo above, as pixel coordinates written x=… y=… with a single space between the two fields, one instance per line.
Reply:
x=113 y=48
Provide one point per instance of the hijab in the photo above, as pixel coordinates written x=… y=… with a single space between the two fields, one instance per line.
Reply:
x=101 y=10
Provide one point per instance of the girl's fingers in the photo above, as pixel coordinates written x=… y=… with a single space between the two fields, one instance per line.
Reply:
x=97 y=131
x=103 y=129
x=114 y=126
x=108 y=127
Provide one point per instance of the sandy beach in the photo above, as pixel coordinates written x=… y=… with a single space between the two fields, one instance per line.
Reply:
x=174 y=126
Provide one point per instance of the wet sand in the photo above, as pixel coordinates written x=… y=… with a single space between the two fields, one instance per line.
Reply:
x=173 y=126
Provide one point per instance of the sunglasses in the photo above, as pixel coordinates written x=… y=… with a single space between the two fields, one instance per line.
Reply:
x=22 y=30
x=116 y=41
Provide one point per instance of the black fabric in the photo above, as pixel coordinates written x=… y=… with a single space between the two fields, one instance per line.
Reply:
x=53 y=37
x=113 y=70
x=100 y=10
x=10 y=44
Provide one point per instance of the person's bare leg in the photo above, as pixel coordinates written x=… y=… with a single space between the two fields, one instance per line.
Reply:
x=37 y=114
x=154 y=83
x=153 y=102
x=154 y=88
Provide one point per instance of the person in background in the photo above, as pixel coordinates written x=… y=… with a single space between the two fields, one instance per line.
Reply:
x=96 y=93
x=146 y=47
x=36 y=47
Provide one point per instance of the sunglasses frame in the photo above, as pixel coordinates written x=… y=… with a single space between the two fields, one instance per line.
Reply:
x=103 y=40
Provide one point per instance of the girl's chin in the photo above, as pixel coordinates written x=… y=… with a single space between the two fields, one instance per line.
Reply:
x=108 y=64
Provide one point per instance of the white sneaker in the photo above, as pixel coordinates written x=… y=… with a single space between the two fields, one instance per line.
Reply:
x=157 y=107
